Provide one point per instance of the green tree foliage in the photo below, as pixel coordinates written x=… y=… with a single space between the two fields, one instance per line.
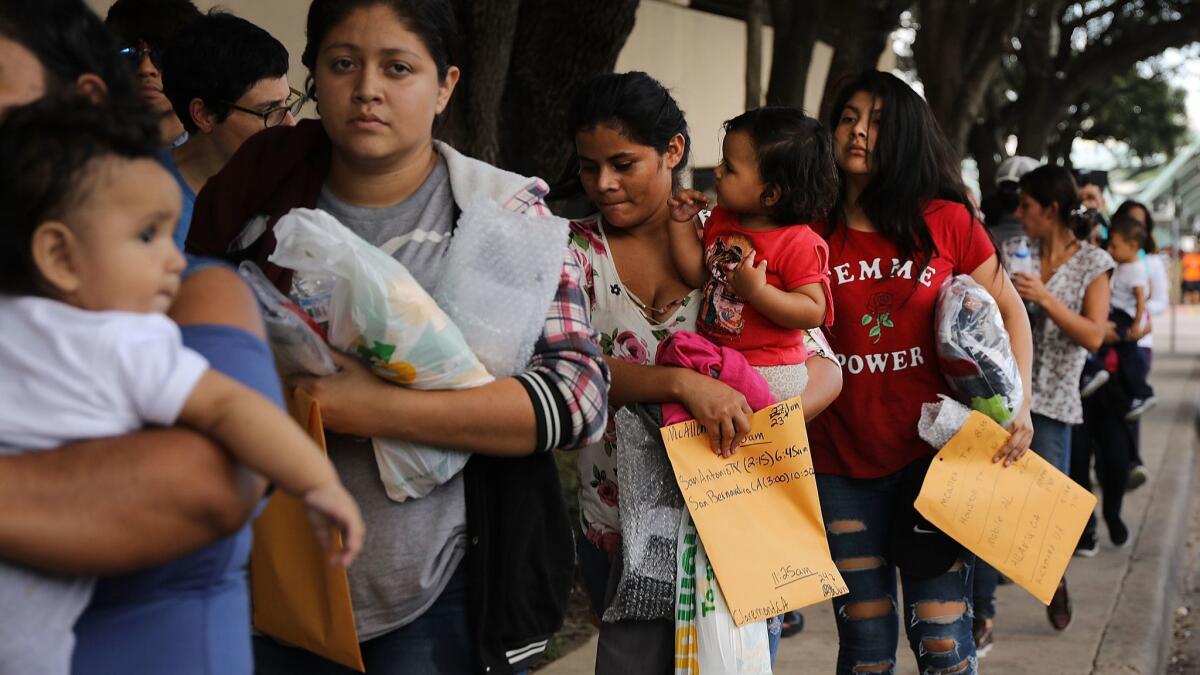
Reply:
x=1144 y=111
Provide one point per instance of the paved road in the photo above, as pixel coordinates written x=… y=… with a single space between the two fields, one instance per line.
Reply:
x=1123 y=597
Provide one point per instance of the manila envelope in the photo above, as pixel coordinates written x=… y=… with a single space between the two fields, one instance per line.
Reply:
x=758 y=514
x=298 y=597
x=1024 y=520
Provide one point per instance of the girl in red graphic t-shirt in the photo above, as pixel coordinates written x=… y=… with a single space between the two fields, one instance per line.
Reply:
x=901 y=227
x=764 y=271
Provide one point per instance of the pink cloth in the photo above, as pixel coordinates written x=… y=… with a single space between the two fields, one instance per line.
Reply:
x=686 y=349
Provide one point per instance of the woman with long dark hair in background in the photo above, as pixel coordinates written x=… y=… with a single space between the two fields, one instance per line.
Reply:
x=902 y=226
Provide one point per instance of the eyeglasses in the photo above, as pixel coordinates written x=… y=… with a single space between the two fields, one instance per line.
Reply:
x=135 y=54
x=275 y=116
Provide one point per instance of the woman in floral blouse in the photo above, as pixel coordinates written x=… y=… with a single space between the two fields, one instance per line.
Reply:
x=632 y=141
x=1068 y=295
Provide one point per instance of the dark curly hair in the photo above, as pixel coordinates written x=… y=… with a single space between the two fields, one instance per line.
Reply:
x=47 y=148
x=217 y=58
x=1130 y=228
x=1126 y=208
x=69 y=40
x=153 y=21
x=795 y=156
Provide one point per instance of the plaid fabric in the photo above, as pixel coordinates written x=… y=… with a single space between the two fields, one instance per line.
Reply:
x=567 y=379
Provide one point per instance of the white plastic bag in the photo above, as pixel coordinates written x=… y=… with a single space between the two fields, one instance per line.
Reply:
x=298 y=347
x=713 y=644
x=380 y=313
x=974 y=351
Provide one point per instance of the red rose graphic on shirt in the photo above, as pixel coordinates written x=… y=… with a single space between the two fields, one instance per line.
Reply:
x=879 y=313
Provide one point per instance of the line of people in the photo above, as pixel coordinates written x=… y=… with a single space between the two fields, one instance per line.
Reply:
x=859 y=217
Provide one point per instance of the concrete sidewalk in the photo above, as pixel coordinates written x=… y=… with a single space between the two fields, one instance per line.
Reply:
x=1123 y=598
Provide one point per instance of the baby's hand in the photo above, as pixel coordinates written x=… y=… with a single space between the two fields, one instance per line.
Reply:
x=748 y=278
x=685 y=204
x=330 y=506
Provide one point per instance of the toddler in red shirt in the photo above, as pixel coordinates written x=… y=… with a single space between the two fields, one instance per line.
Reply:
x=765 y=272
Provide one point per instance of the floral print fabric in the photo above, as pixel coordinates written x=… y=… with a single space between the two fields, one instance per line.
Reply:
x=1057 y=359
x=627 y=334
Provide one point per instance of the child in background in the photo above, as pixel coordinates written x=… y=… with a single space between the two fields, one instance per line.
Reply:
x=1130 y=290
x=87 y=270
x=764 y=271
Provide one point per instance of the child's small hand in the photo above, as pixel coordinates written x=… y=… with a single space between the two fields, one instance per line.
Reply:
x=748 y=278
x=329 y=507
x=685 y=204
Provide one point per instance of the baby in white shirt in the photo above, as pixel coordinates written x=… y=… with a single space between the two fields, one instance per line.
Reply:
x=87 y=269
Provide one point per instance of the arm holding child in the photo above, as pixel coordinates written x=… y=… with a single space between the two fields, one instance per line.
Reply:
x=264 y=438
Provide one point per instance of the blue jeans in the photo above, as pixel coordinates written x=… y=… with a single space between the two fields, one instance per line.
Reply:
x=858 y=515
x=437 y=643
x=1052 y=441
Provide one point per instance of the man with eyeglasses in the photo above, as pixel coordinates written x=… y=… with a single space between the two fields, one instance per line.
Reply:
x=226 y=79
x=144 y=29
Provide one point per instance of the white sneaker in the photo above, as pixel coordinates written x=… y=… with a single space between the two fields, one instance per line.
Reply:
x=1137 y=478
x=1139 y=408
x=1092 y=384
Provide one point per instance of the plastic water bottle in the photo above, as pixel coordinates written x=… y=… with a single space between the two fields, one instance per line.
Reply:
x=1022 y=262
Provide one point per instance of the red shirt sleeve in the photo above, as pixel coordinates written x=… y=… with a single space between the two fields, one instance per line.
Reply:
x=973 y=243
x=805 y=260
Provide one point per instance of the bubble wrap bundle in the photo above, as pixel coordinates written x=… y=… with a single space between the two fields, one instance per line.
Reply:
x=651 y=508
x=380 y=314
x=297 y=346
x=941 y=420
x=974 y=350
x=500 y=308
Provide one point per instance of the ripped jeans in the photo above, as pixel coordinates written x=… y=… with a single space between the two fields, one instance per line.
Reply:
x=858 y=516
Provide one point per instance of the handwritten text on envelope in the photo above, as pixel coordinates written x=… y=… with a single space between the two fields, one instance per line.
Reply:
x=1024 y=520
x=757 y=513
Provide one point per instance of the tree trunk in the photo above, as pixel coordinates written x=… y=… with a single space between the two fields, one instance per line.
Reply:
x=984 y=145
x=489 y=28
x=791 y=53
x=958 y=51
x=755 y=15
x=557 y=48
x=1037 y=122
x=862 y=29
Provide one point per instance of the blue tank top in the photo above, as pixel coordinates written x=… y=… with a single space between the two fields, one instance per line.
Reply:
x=190 y=616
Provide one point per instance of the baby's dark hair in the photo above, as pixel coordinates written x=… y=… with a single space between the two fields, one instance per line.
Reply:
x=47 y=148
x=1129 y=228
x=795 y=156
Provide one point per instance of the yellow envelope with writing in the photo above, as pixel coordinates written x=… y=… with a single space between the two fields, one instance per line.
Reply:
x=758 y=514
x=1024 y=519
x=297 y=596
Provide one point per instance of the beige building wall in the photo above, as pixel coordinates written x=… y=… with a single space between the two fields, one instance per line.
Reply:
x=701 y=58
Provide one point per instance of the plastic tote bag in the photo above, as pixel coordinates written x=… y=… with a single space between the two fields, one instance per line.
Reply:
x=707 y=641
x=380 y=313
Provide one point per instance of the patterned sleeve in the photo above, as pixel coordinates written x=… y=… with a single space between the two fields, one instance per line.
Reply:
x=567 y=379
